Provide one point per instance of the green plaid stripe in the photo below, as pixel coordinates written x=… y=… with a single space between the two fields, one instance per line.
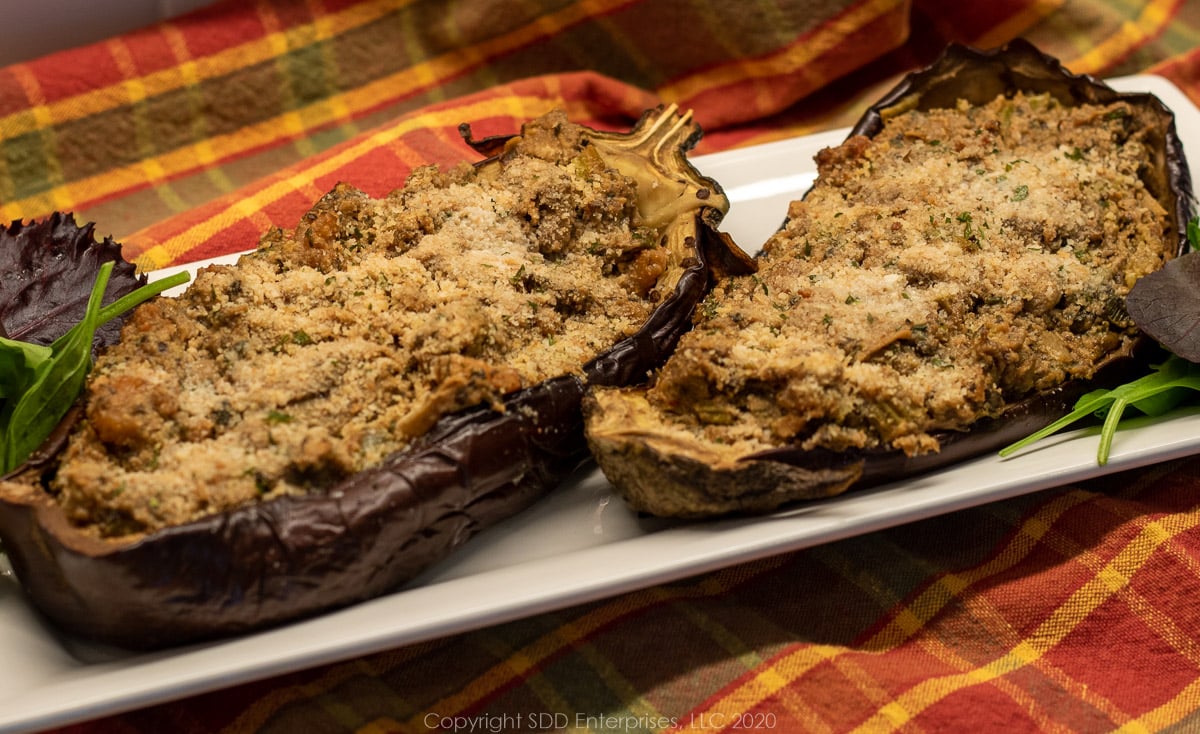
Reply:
x=412 y=55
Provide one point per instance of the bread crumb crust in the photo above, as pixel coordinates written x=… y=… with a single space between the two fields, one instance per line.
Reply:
x=335 y=344
x=960 y=260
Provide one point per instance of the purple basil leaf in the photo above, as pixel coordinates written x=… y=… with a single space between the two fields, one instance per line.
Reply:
x=47 y=270
x=1164 y=305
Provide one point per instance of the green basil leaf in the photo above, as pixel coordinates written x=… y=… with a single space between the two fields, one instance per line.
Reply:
x=1169 y=384
x=38 y=384
x=58 y=382
x=137 y=297
x=18 y=362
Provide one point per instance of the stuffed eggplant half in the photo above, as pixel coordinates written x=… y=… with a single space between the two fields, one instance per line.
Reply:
x=356 y=398
x=952 y=281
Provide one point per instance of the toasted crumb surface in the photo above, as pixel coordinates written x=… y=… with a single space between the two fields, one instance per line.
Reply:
x=336 y=344
x=958 y=261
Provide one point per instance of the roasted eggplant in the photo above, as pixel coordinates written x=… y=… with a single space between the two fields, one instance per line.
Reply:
x=338 y=536
x=728 y=427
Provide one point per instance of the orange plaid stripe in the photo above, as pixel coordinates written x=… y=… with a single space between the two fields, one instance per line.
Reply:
x=1084 y=590
x=280 y=198
x=376 y=162
x=1149 y=21
x=278 y=81
x=814 y=59
x=520 y=666
x=1045 y=615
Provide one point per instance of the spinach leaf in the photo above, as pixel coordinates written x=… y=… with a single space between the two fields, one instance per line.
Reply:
x=52 y=385
x=1167 y=386
x=17 y=360
x=39 y=383
x=1164 y=305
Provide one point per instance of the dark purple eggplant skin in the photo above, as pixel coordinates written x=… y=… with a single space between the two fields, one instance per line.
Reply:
x=295 y=557
x=979 y=76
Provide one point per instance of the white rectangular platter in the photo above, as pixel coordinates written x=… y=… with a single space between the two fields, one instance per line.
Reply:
x=580 y=543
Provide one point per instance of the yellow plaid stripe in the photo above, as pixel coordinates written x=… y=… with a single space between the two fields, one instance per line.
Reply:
x=1110 y=578
x=569 y=636
x=1149 y=22
x=295 y=123
x=38 y=118
x=792 y=59
x=251 y=204
x=1016 y=24
x=230 y=60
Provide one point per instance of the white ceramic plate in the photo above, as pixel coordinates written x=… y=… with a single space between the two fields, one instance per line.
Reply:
x=580 y=543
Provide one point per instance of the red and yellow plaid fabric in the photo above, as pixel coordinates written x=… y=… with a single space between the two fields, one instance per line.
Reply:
x=192 y=137
x=169 y=119
x=1070 y=610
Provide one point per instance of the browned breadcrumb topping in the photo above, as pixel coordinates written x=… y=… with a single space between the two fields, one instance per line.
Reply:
x=336 y=344
x=958 y=261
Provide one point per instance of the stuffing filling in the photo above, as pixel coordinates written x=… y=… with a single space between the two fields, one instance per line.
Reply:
x=960 y=260
x=334 y=345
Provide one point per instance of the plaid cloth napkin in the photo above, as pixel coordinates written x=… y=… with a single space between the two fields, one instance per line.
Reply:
x=1073 y=609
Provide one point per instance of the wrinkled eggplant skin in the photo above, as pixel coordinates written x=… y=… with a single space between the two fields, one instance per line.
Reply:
x=879 y=466
x=266 y=562
x=294 y=557
x=979 y=76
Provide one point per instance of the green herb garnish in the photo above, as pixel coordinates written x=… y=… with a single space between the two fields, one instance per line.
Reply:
x=1154 y=394
x=1163 y=305
x=38 y=384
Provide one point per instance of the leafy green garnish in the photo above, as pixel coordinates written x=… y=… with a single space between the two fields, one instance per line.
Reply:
x=1154 y=394
x=1164 y=306
x=38 y=384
